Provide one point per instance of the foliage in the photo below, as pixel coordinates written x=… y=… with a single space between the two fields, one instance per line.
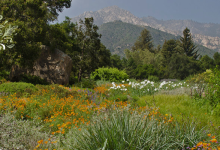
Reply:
x=17 y=87
x=186 y=43
x=168 y=49
x=153 y=78
x=109 y=74
x=144 y=71
x=86 y=83
x=116 y=62
x=20 y=134
x=214 y=89
x=216 y=57
x=144 y=42
x=207 y=62
x=31 y=18
x=86 y=51
x=202 y=77
x=33 y=79
x=181 y=66
x=136 y=130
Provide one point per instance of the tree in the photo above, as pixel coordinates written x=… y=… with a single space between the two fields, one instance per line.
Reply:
x=181 y=66
x=168 y=50
x=116 y=61
x=88 y=40
x=144 y=42
x=82 y=43
x=207 y=62
x=186 y=42
x=144 y=71
x=217 y=58
x=32 y=18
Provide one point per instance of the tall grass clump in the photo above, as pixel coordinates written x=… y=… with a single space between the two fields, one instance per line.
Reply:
x=134 y=129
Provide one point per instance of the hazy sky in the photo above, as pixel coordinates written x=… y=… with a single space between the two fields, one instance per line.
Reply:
x=204 y=11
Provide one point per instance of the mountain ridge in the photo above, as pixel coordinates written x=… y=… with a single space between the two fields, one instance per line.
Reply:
x=175 y=27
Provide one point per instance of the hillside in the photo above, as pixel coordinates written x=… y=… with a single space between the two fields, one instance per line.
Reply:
x=204 y=34
x=117 y=36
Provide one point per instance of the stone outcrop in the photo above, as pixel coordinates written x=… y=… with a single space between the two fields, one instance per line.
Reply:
x=54 y=67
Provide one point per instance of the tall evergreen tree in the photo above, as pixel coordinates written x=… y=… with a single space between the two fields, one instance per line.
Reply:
x=144 y=42
x=186 y=42
x=168 y=50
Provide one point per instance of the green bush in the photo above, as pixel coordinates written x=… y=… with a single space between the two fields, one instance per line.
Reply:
x=86 y=83
x=17 y=87
x=33 y=79
x=109 y=74
x=153 y=78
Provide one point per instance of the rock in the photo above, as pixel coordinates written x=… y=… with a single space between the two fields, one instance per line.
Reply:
x=167 y=80
x=52 y=67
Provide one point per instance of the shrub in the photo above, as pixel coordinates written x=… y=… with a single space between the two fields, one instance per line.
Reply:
x=153 y=78
x=17 y=87
x=33 y=79
x=86 y=83
x=109 y=74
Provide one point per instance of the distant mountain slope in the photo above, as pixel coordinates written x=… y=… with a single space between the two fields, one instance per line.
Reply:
x=110 y=14
x=117 y=36
x=207 y=29
x=207 y=35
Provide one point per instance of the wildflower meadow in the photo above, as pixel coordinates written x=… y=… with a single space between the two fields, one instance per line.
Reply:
x=113 y=115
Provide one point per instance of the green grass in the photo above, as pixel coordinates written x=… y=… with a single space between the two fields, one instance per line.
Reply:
x=183 y=108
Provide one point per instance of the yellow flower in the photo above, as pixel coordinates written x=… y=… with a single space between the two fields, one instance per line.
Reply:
x=37 y=145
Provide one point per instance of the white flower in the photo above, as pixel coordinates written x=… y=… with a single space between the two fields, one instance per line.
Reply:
x=148 y=90
x=127 y=79
x=123 y=81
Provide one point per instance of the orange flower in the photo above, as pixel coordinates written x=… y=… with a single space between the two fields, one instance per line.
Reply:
x=213 y=137
x=213 y=140
x=209 y=134
x=40 y=142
